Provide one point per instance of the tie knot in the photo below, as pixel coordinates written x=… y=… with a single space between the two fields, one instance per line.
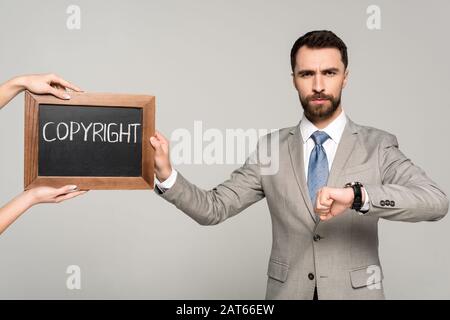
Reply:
x=319 y=137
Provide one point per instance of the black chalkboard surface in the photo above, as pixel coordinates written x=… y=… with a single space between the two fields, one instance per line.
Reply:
x=93 y=140
x=90 y=141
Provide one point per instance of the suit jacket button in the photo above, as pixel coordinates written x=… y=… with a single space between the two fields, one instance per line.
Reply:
x=310 y=276
x=317 y=237
x=392 y=203
x=382 y=203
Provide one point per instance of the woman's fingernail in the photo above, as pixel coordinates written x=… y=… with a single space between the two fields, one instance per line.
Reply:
x=66 y=96
x=73 y=187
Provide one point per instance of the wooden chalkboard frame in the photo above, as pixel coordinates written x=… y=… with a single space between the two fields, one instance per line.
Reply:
x=31 y=146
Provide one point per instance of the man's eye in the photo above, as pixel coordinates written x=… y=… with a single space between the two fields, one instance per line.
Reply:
x=330 y=73
x=305 y=75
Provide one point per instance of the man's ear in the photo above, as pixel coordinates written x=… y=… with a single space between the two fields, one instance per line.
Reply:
x=345 y=78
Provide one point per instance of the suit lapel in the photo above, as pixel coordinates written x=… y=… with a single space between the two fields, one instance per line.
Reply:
x=295 y=143
x=343 y=152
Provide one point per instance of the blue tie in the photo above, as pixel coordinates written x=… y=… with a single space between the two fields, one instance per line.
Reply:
x=318 y=165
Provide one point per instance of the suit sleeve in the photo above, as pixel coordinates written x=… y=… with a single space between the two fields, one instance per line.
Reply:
x=209 y=207
x=406 y=193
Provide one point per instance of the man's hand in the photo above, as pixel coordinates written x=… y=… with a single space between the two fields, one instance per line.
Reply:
x=331 y=202
x=163 y=168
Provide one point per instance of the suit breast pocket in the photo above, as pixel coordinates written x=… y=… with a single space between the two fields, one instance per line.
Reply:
x=363 y=173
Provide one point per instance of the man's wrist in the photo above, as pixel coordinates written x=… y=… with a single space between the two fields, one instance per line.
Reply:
x=168 y=183
x=352 y=196
x=164 y=175
x=358 y=195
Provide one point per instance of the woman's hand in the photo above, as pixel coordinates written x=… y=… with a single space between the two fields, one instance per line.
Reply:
x=47 y=84
x=52 y=195
x=14 y=209
x=36 y=83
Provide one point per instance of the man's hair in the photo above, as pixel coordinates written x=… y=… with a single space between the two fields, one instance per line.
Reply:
x=319 y=39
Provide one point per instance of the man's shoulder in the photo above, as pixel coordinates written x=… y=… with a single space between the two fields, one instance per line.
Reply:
x=365 y=133
x=280 y=134
x=373 y=135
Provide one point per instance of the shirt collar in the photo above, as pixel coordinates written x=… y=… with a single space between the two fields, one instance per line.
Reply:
x=334 y=129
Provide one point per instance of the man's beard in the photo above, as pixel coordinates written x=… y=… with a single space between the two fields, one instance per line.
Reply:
x=317 y=112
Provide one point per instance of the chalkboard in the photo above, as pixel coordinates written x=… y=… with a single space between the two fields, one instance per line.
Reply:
x=96 y=141
x=89 y=141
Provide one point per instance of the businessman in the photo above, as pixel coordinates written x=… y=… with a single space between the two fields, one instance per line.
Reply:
x=335 y=180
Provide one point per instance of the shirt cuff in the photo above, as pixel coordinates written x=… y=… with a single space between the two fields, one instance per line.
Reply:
x=366 y=206
x=168 y=183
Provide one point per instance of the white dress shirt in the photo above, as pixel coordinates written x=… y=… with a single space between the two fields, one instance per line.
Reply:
x=334 y=130
x=307 y=128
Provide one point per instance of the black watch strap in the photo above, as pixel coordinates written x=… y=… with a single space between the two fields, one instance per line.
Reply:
x=357 y=202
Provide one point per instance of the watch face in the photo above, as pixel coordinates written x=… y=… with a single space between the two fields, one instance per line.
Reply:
x=354 y=183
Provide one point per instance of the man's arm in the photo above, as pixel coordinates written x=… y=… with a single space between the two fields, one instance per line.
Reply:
x=208 y=207
x=406 y=193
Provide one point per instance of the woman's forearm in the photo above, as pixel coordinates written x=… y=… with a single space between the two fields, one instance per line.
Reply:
x=10 y=89
x=14 y=209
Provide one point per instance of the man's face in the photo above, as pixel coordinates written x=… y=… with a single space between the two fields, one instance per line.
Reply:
x=319 y=77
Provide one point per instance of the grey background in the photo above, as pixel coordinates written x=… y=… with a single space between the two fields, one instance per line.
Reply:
x=225 y=63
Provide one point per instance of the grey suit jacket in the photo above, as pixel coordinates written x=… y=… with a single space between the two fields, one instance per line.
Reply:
x=339 y=256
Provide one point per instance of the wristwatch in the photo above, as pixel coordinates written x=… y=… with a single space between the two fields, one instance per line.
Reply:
x=357 y=201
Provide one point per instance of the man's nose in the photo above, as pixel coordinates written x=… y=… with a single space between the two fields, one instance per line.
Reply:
x=318 y=84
